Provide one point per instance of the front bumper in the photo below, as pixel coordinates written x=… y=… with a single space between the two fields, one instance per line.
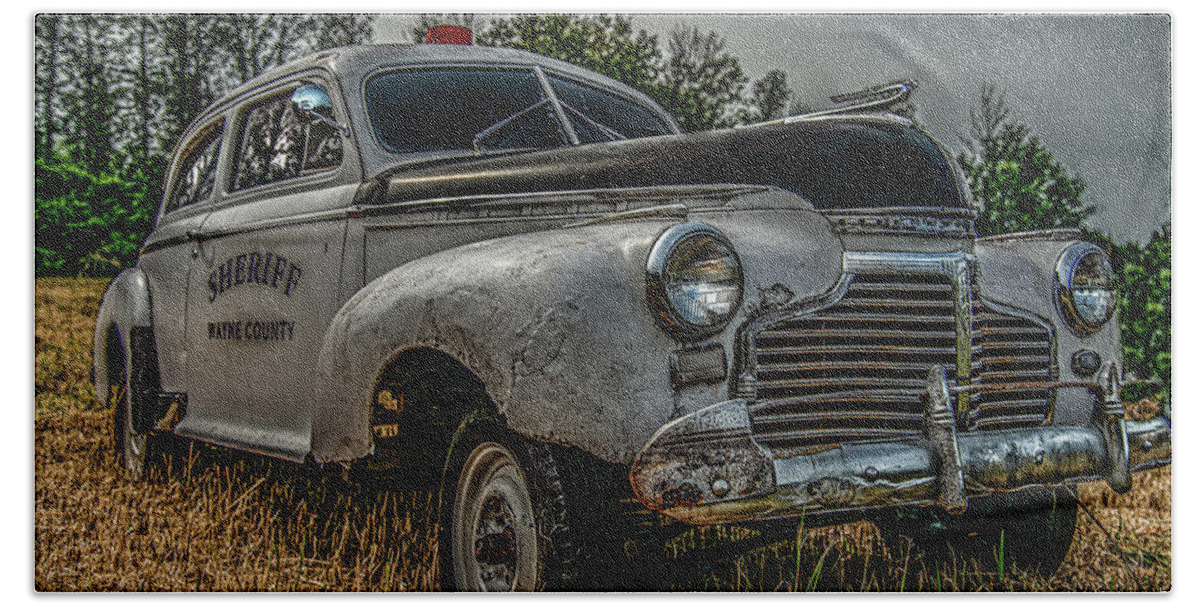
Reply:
x=707 y=468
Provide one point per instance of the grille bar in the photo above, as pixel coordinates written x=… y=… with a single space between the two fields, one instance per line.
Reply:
x=915 y=336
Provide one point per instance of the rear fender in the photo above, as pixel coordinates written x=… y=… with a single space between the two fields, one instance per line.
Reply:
x=125 y=305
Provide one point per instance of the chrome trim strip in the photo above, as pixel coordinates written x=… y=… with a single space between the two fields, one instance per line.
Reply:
x=941 y=264
x=745 y=354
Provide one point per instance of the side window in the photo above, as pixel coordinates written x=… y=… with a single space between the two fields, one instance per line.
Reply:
x=278 y=144
x=198 y=171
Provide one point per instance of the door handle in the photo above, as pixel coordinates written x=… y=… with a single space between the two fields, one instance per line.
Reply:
x=196 y=237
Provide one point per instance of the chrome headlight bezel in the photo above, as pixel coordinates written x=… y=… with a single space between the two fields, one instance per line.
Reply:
x=1078 y=258
x=675 y=241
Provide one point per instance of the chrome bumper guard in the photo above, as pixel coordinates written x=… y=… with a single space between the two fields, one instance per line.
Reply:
x=707 y=468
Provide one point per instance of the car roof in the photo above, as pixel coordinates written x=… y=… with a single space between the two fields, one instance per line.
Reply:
x=351 y=63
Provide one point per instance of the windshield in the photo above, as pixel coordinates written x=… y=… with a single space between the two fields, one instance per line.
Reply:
x=596 y=114
x=473 y=109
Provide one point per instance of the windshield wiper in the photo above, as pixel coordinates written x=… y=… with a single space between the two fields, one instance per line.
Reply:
x=605 y=130
x=519 y=116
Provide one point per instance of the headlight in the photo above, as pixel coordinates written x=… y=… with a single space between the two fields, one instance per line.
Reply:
x=693 y=280
x=1086 y=287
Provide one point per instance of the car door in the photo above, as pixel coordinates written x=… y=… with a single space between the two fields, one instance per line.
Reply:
x=269 y=274
x=170 y=252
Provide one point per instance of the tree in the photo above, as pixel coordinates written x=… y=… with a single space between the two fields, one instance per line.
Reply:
x=47 y=44
x=769 y=98
x=1144 y=284
x=91 y=98
x=1016 y=183
x=112 y=96
x=332 y=31
x=255 y=42
x=142 y=73
x=189 y=52
x=986 y=123
x=702 y=83
x=601 y=43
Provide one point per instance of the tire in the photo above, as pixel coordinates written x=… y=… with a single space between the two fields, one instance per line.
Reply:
x=132 y=448
x=1036 y=526
x=504 y=523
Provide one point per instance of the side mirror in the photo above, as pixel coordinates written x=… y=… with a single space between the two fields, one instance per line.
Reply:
x=313 y=101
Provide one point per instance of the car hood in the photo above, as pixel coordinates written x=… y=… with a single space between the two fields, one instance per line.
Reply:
x=834 y=163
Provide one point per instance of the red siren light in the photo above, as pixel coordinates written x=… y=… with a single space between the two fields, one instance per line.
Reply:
x=449 y=34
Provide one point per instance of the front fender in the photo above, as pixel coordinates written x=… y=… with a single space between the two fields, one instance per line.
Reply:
x=125 y=305
x=554 y=323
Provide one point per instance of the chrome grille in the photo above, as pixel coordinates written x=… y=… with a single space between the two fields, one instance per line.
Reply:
x=856 y=370
x=1010 y=351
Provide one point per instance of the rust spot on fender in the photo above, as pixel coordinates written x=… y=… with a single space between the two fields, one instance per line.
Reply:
x=686 y=494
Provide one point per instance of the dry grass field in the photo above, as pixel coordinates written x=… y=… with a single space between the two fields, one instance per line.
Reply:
x=217 y=521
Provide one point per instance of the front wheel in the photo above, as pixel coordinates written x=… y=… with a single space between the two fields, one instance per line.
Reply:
x=494 y=542
x=504 y=523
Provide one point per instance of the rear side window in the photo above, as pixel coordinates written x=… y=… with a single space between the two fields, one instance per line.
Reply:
x=278 y=144
x=198 y=172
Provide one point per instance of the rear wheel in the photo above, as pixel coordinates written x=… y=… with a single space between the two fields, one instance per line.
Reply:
x=130 y=446
x=1031 y=530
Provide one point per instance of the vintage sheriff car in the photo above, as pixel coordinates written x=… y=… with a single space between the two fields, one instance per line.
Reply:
x=515 y=280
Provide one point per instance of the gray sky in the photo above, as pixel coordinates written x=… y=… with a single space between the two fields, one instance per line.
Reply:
x=1096 y=89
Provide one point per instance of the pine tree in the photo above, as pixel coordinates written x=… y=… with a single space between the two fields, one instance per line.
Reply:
x=702 y=83
x=769 y=97
x=1016 y=183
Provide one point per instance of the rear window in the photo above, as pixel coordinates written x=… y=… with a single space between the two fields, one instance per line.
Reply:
x=197 y=174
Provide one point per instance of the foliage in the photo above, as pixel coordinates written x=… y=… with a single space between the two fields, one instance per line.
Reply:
x=1144 y=282
x=112 y=94
x=88 y=224
x=769 y=98
x=702 y=83
x=1018 y=186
